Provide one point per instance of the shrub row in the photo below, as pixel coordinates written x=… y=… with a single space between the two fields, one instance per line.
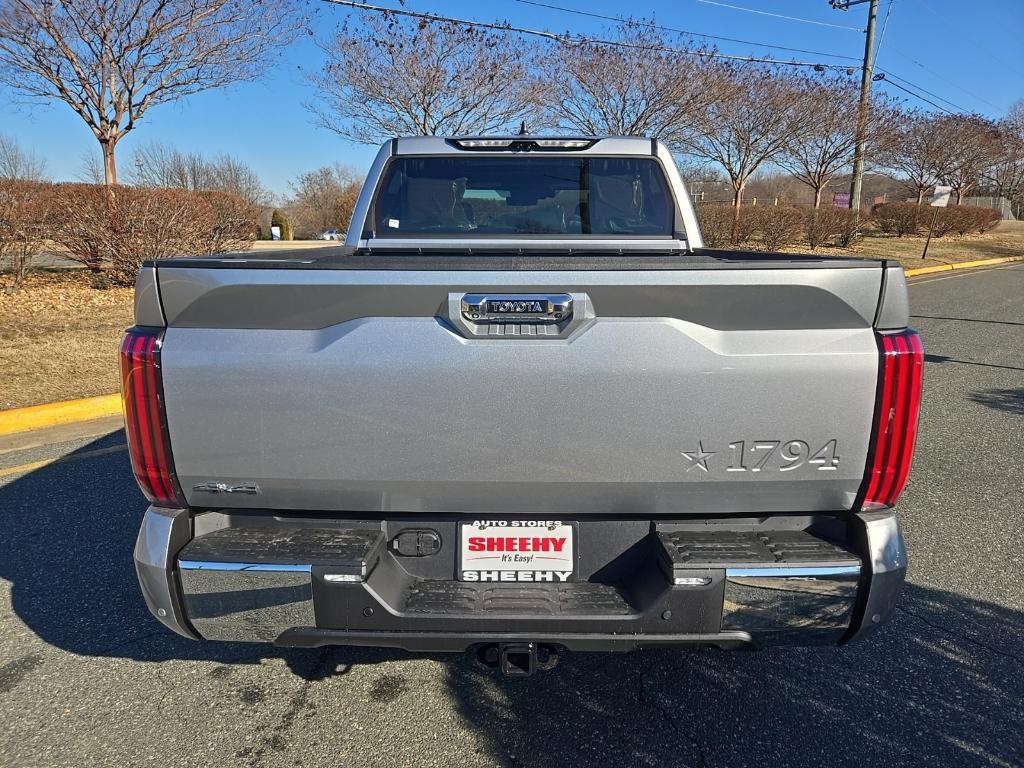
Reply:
x=776 y=227
x=902 y=219
x=21 y=226
x=115 y=229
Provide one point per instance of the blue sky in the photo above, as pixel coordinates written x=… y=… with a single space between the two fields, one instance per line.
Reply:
x=970 y=54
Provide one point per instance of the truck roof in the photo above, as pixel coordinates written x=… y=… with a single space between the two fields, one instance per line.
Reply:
x=442 y=145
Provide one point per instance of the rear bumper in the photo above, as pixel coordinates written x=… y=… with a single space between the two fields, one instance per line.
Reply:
x=339 y=583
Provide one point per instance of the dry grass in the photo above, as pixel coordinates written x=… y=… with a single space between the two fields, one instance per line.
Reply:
x=1007 y=239
x=59 y=338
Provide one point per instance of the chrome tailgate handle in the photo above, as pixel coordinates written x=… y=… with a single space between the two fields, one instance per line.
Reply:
x=517 y=308
x=518 y=315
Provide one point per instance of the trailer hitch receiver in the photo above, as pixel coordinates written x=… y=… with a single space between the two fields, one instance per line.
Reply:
x=519 y=659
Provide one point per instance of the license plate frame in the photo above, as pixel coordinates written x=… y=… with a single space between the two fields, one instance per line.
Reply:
x=555 y=564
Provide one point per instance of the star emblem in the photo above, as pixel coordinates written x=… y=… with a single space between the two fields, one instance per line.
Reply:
x=698 y=458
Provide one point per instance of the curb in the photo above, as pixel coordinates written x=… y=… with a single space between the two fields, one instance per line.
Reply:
x=52 y=414
x=961 y=265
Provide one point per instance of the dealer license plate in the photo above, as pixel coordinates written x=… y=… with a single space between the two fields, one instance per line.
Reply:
x=506 y=551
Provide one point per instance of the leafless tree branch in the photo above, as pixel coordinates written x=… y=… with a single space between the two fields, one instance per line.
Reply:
x=389 y=77
x=160 y=165
x=749 y=117
x=638 y=90
x=112 y=60
x=827 y=146
x=323 y=199
x=16 y=164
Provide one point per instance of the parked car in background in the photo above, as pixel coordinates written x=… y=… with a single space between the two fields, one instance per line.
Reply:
x=522 y=409
x=329 y=234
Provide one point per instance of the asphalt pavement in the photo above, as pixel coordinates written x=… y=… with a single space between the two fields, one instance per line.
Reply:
x=87 y=678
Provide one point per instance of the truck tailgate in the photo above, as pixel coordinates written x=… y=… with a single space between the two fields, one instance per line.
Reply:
x=683 y=391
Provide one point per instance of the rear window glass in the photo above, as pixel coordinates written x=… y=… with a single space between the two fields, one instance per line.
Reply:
x=517 y=195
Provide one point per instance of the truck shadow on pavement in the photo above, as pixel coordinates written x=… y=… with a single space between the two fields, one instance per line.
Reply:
x=942 y=684
x=930 y=358
x=1008 y=400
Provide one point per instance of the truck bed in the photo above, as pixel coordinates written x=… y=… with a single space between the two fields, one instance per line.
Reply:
x=501 y=259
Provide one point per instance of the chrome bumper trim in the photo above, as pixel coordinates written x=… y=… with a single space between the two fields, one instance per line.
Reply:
x=202 y=565
x=792 y=572
x=766 y=599
x=247 y=601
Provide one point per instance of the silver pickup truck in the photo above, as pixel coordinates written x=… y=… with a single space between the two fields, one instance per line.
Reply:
x=520 y=410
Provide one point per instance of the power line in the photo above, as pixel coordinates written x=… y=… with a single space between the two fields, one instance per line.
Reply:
x=979 y=45
x=946 y=80
x=922 y=90
x=780 y=16
x=881 y=36
x=580 y=40
x=885 y=23
x=919 y=96
x=652 y=25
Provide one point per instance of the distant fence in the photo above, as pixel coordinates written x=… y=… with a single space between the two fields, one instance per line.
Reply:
x=715 y=192
x=1000 y=204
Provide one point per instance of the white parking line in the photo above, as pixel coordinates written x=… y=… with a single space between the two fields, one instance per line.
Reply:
x=23 y=468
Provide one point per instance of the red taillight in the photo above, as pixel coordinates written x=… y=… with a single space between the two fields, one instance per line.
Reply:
x=142 y=396
x=899 y=399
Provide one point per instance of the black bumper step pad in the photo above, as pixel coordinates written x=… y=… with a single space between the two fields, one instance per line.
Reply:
x=574 y=599
x=739 y=549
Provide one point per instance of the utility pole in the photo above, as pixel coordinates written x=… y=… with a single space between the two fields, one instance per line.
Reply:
x=865 y=96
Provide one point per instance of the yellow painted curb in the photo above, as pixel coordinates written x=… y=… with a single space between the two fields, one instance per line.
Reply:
x=52 y=414
x=961 y=265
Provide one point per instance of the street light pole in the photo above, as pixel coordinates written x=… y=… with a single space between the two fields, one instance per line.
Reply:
x=865 y=97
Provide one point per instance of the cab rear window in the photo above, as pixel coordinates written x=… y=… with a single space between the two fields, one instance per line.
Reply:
x=515 y=195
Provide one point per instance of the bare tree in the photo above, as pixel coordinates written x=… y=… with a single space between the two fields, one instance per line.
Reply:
x=156 y=164
x=769 y=186
x=160 y=165
x=815 y=155
x=1006 y=174
x=971 y=146
x=324 y=198
x=90 y=168
x=387 y=76
x=233 y=176
x=639 y=89
x=748 y=118
x=18 y=165
x=918 y=152
x=112 y=60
